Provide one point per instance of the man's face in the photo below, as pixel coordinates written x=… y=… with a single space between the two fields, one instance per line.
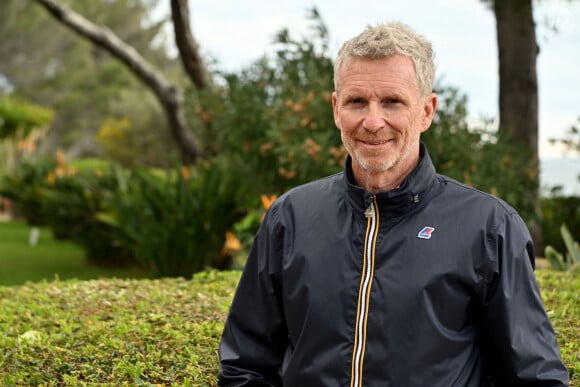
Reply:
x=381 y=114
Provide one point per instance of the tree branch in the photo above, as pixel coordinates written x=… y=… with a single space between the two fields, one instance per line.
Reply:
x=187 y=46
x=168 y=94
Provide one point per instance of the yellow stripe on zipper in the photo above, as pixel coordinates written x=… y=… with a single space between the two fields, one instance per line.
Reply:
x=364 y=293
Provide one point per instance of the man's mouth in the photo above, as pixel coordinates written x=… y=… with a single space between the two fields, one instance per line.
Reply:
x=375 y=142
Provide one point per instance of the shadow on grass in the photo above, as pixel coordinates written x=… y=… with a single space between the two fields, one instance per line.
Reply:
x=49 y=259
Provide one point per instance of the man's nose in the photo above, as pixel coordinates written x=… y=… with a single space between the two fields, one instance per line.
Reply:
x=374 y=118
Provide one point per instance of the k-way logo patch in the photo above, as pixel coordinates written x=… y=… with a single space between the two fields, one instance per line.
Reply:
x=426 y=232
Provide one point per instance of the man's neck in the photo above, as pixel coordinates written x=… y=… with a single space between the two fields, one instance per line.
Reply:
x=382 y=181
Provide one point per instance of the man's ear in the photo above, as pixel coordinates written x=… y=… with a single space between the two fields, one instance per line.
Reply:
x=429 y=109
x=335 y=109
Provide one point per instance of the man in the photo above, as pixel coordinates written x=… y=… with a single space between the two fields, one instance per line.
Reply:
x=389 y=274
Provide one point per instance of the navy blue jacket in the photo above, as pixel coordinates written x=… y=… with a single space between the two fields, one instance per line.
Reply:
x=430 y=284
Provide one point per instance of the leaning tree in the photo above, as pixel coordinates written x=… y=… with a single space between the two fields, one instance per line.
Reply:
x=169 y=94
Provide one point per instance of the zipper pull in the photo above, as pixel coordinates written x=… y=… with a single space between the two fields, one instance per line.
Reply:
x=370 y=211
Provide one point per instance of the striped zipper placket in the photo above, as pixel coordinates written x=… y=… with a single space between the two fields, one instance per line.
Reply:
x=366 y=281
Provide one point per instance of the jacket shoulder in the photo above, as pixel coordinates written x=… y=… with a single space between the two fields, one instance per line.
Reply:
x=308 y=198
x=455 y=188
x=317 y=189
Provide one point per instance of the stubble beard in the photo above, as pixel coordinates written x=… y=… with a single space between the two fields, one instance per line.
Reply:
x=382 y=164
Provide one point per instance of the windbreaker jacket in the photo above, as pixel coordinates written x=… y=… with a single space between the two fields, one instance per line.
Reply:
x=429 y=285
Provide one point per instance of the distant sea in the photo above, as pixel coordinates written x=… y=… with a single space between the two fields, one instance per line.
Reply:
x=564 y=172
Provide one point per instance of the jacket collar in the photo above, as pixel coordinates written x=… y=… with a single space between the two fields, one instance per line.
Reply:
x=409 y=195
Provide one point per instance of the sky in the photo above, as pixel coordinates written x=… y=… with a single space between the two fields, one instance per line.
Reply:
x=236 y=33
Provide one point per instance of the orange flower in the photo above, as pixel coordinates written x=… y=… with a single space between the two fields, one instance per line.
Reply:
x=268 y=200
x=532 y=173
x=51 y=178
x=205 y=117
x=310 y=97
x=232 y=243
x=266 y=147
x=338 y=154
x=60 y=171
x=60 y=158
x=26 y=146
x=286 y=173
x=312 y=148
x=30 y=146
x=185 y=172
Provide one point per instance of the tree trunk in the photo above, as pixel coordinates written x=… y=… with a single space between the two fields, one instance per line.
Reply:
x=518 y=91
x=169 y=96
x=518 y=84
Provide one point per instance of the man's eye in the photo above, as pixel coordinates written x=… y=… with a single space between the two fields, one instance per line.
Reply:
x=356 y=101
x=391 y=100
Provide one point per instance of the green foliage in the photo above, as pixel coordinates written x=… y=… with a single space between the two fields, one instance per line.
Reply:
x=565 y=261
x=560 y=296
x=127 y=137
x=26 y=188
x=21 y=116
x=49 y=192
x=116 y=332
x=89 y=165
x=73 y=205
x=279 y=117
x=175 y=223
x=172 y=222
x=558 y=210
x=165 y=332
x=239 y=242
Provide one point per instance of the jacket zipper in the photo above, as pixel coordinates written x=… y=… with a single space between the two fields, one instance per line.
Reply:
x=372 y=216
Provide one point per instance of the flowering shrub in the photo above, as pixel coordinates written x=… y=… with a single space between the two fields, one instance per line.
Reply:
x=26 y=187
x=173 y=222
x=239 y=241
x=73 y=207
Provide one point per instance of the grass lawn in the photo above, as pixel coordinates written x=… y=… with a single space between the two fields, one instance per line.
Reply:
x=47 y=260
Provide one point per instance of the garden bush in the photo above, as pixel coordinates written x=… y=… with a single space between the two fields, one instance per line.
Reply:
x=171 y=222
x=175 y=222
x=73 y=206
x=26 y=186
x=558 y=210
x=49 y=191
x=163 y=332
x=21 y=116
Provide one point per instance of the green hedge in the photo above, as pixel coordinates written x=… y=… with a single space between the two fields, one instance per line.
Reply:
x=164 y=332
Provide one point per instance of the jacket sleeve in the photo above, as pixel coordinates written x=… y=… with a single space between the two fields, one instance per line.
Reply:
x=255 y=336
x=520 y=346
